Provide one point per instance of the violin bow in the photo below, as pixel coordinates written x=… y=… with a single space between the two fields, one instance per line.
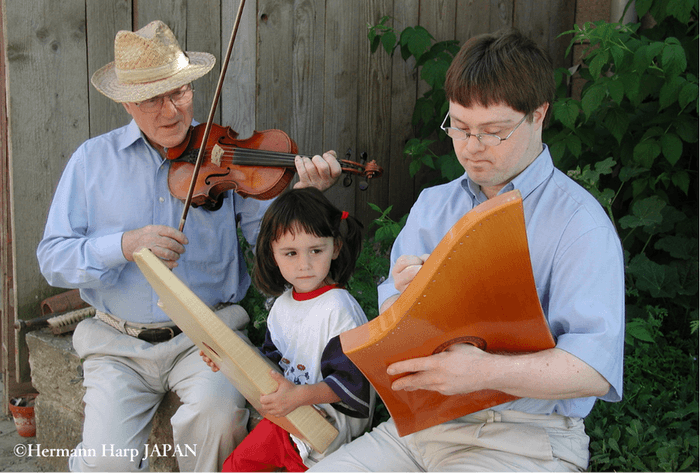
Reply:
x=210 y=119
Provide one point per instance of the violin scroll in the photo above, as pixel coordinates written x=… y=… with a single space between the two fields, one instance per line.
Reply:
x=368 y=170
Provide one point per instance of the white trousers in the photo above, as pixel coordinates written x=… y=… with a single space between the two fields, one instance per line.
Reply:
x=484 y=441
x=126 y=379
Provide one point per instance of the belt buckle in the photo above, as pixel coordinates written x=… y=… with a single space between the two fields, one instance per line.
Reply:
x=161 y=334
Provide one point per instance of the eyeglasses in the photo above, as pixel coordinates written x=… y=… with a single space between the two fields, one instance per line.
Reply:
x=486 y=139
x=180 y=97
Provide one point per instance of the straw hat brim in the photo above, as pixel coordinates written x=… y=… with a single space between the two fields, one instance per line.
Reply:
x=105 y=80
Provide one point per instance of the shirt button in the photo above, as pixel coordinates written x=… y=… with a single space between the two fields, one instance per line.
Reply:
x=161 y=200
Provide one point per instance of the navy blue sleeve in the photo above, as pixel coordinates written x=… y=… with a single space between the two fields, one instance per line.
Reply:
x=269 y=350
x=346 y=380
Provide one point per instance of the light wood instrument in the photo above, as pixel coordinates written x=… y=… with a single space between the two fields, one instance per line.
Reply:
x=476 y=287
x=242 y=363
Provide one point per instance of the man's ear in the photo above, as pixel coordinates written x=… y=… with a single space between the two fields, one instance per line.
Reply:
x=539 y=114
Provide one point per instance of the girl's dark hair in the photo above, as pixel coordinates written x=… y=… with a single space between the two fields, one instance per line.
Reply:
x=504 y=67
x=310 y=211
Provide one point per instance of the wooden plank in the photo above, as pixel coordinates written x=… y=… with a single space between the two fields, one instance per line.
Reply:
x=275 y=64
x=475 y=17
x=374 y=106
x=204 y=34
x=404 y=90
x=308 y=81
x=46 y=69
x=543 y=22
x=238 y=97
x=340 y=92
x=106 y=18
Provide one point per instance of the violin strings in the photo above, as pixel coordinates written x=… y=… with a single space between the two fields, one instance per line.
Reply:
x=261 y=157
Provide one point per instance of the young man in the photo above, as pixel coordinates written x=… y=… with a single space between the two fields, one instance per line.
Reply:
x=112 y=200
x=500 y=89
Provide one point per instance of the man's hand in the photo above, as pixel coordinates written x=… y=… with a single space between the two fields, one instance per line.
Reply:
x=165 y=242
x=463 y=368
x=405 y=269
x=457 y=370
x=321 y=172
x=283 y=400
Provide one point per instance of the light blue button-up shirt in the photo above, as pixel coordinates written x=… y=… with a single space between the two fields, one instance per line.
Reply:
x=118 y=182
x=577 y=263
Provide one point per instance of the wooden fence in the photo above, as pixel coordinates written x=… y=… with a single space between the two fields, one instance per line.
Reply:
x=303 y=66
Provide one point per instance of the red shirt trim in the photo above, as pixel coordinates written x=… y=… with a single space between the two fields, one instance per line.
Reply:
x=305 y=296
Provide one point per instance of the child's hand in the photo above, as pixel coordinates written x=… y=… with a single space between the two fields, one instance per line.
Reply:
x=210 y=363
x=284 y=400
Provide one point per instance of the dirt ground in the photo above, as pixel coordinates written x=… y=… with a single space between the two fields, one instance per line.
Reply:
x=14 y=448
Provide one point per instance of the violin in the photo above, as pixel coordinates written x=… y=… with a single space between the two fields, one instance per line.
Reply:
x=260 y=167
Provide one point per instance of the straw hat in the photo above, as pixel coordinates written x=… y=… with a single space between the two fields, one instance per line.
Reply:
x=147 y=63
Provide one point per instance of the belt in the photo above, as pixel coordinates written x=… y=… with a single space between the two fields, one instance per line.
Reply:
x=152 y=333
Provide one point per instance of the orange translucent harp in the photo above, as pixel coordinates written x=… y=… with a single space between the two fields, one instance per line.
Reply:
x=476 y=287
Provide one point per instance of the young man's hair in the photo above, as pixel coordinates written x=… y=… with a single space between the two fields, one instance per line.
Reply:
x=502 y=68
x=306 y=210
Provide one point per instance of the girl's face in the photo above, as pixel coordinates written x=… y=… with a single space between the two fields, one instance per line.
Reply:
x=304 y=259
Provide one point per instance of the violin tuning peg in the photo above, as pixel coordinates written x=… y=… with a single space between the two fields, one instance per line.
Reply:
x=348 y=154
x=363 y=185
x=347 y=181
x=363 y=157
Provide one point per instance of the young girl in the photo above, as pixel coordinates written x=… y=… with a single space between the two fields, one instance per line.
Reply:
x=305 y=253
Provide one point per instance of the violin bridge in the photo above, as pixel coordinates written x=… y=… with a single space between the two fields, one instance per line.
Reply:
x=216 y=153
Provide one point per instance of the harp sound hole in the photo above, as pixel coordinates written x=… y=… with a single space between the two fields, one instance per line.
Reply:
x=478 y=342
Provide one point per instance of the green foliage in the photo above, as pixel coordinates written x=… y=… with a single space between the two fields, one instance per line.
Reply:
x=433 y=60
x=632 y=141
x=656 y=427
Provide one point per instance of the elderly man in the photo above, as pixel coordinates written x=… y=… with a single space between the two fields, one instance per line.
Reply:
x=113 y=199
x=500 y=88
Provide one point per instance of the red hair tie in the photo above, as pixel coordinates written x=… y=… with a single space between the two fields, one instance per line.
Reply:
x=344 y=215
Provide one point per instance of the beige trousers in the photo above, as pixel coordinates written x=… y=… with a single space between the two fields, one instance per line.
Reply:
x=484 y=441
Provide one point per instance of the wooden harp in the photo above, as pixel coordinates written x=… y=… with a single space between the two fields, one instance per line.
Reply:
x=476 y=287
x=242 y=364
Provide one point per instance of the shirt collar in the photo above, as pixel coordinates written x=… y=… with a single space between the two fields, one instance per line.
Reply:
x=131 y=135
x=526 y=182
x=305 y=296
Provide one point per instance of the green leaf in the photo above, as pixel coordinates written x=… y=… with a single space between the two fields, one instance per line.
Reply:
x=688 y=94
x=616 y=90
x=628 y=172
x=389 y=41
x=566 y=111
x=414 y=167
x=638 y=329
x=681 y=179
x=592 y=98
x=659 y=280
x=600 y=60
x=672 y=147
x=669 y=91
x=687 y=129
x=642 y=7
x=678 y=246
x=417 y=39
x=617 y=122
x=644 y=212
x=646 y=152
x=673 y=58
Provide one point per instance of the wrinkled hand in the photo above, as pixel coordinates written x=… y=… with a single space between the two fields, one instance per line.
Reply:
x=321 y=172
x=405 y=269
x=457 y=370
x=283 y=400
x=210 y=363
x=165 y=242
